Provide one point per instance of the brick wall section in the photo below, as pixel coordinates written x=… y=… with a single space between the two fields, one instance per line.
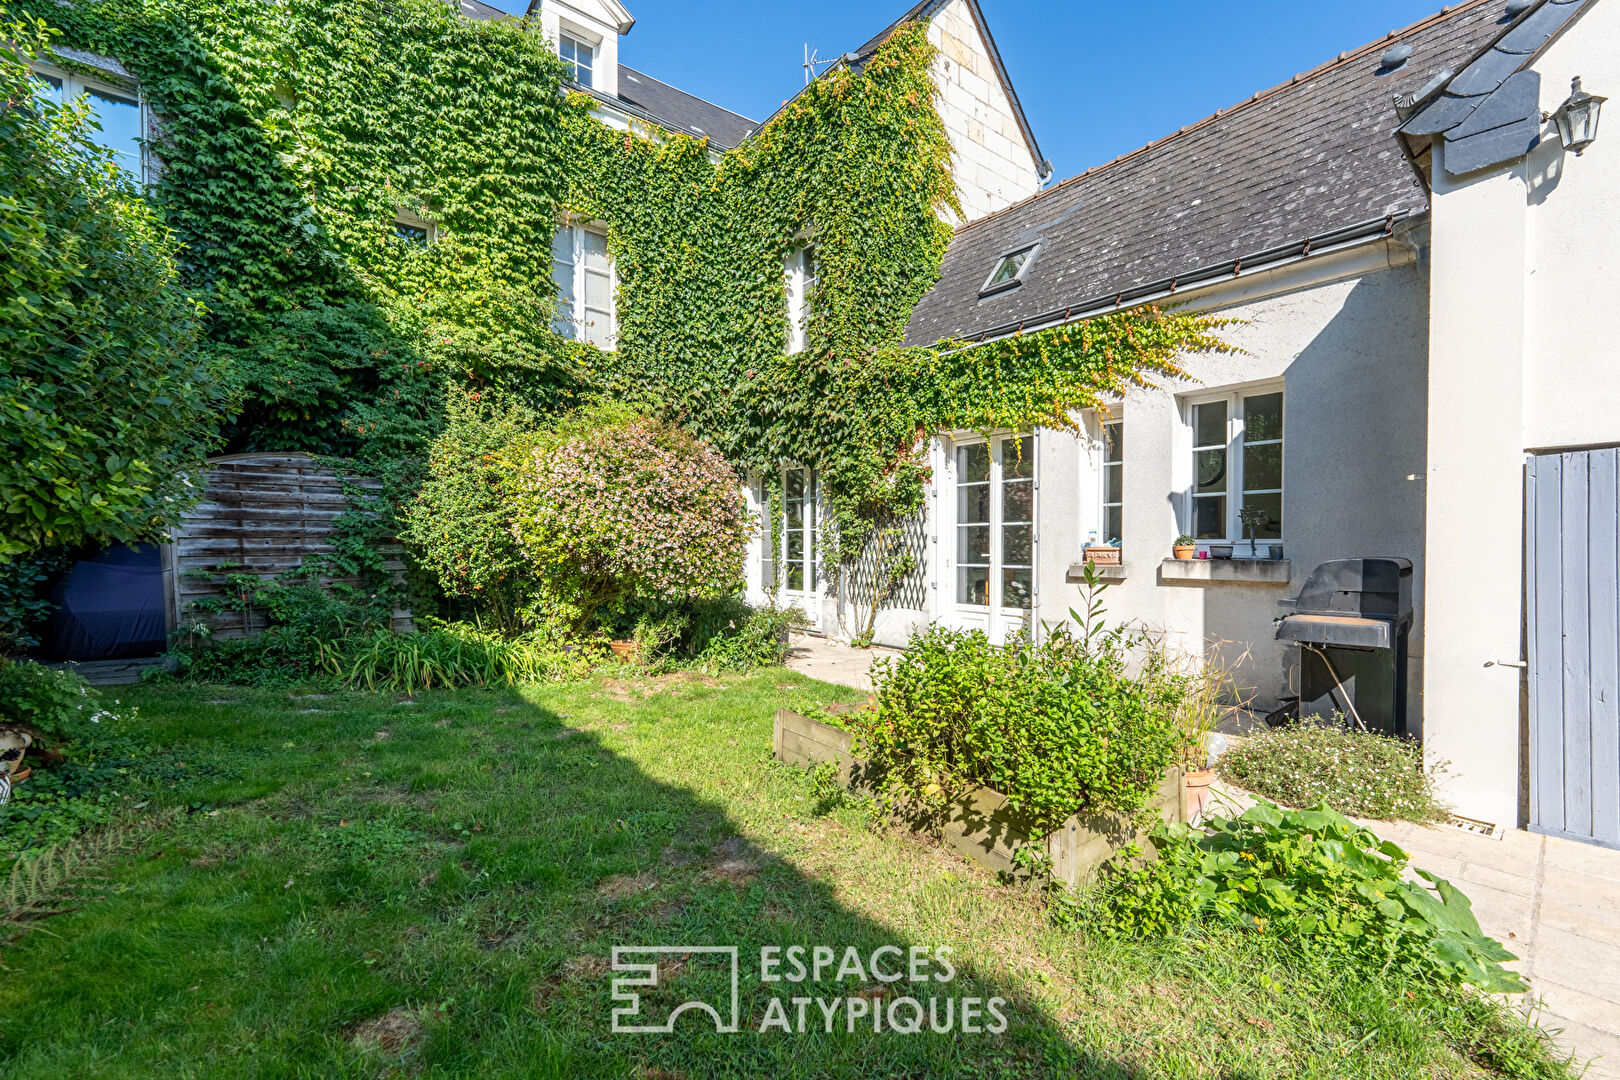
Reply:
x=994 y=167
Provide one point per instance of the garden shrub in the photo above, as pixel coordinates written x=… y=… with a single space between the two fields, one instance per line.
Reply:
x=753 y=637
x=52 y=702
x=462 y=524
x=1355 y=772
x=89 y=764
x=623 y=508
x=304 y=613
x=1314 y=878
x=106 y=406
x=1058 y=727
x=25 y=602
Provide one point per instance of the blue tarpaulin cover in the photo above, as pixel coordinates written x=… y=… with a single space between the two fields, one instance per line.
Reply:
x=110 y=607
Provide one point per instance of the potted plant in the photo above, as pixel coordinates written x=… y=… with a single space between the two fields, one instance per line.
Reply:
x=1185 y=547
x=1252 y=518
x=1209 y=688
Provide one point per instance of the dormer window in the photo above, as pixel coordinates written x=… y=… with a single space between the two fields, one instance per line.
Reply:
x=1010 y=271
x=578 y=54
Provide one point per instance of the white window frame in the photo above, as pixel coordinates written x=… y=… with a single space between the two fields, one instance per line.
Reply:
x=580 y=40
x=991 y=286
x=417 y=221
x=998 y=443
x=1104 y=423
x=800 y=275
x=75 y=85
x=1232 y=398
x=578 y=326
x=810 y=528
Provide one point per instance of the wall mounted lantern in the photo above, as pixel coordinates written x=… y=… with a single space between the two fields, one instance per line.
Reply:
x=1577 y=118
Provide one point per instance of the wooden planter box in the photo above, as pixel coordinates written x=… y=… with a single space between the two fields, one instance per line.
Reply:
x=980 y=825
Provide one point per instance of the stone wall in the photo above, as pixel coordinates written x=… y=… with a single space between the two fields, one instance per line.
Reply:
x=994 y=166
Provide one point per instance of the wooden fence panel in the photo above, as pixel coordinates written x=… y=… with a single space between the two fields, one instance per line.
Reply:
x=265 y=514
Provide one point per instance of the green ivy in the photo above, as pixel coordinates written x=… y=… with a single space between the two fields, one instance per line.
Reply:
x=295 y=131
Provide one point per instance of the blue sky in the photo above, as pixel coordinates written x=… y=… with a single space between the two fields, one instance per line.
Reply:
x=1097 y=79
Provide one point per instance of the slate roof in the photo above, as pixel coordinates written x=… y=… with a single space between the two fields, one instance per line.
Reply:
x=653 y=99
x=476 y=9
x=1490 y=111
x=1315 y=157
x=680 y=111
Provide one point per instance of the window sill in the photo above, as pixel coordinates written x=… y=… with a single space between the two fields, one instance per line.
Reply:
x=1106 y=571
x=1253 y=571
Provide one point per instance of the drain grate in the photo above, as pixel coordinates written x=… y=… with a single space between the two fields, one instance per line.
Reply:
x=1474 y=825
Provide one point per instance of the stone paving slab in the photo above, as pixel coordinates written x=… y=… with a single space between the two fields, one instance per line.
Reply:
x=1553 y=902
x=834 y=663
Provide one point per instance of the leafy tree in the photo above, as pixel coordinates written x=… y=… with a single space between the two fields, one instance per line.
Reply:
x=106 y=408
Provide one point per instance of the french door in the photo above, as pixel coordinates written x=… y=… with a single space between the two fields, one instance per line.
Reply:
x=992 y=571
x=801 y=543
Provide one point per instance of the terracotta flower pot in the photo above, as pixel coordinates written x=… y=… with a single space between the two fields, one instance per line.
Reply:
x=1184 y=551
x=625 y=652
x=1198 y=782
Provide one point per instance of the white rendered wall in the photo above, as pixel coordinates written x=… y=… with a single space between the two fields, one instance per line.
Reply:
x=1346 y=335
x=1572 y=322
x=1473 y=596
x=1526 y=269
x=994 y=167
x=1351 y=356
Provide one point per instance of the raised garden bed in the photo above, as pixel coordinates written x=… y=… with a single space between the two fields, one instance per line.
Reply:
x=980 y=825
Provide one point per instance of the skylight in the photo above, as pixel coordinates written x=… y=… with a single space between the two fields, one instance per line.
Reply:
x=1009 y=272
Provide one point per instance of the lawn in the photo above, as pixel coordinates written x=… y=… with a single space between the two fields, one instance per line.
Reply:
x=363 y=885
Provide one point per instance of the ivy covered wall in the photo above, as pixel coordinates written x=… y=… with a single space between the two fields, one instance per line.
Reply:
x=294 y=131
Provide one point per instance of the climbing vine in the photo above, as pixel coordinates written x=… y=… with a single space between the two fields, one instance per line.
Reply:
x=293 y=132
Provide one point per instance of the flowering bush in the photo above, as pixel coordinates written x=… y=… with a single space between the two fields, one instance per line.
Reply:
x=622 y=508
x=1355 y=772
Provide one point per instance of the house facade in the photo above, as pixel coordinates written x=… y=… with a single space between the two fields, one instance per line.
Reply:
x=1418 y=266
x=1417 y=344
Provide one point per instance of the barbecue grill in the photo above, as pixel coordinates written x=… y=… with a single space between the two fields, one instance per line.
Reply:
x=1351 y=622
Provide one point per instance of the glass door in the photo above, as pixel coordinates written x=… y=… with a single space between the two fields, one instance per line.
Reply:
x=801 y=535
x=994 y=575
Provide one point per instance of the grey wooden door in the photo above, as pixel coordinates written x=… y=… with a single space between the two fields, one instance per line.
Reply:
x=1572 y=515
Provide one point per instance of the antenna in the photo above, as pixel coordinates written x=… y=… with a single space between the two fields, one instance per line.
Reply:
x=812 y=62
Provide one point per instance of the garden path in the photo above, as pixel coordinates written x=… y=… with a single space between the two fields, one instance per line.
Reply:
x=1553 y=902
x=820 y=658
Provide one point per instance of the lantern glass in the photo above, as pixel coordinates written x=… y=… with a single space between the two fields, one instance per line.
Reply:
x=1577 y=118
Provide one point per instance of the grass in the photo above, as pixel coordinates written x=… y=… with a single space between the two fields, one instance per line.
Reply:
x=433 y=887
